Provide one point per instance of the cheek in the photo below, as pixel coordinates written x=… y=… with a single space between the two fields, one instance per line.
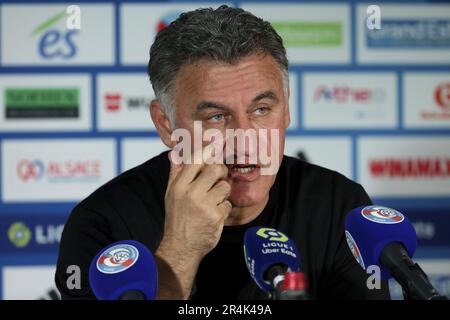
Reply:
x=275 y=141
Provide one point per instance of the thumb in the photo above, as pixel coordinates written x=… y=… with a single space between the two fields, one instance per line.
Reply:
x=175 y=166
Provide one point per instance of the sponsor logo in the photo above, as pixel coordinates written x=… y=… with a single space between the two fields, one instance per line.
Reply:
x=272 y=235
x=167 y=19
x=19 y=234
x=408 y=167
x=115 y=101
x=117 y=259
x=112 y=101
x=354 y=249
x=342 y=94
x=309 y=34
x=31 y=233
x=42 y=103
x=349 y=100
x=55 y=169
x=382 y=215
x=442 y=101
x=58 y=171
x=410 y=33
x=56 y=40
x=442 y=96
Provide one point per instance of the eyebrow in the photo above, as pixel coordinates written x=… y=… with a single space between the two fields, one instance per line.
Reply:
x=210 y=105
x=203 y=105
x=269 y=94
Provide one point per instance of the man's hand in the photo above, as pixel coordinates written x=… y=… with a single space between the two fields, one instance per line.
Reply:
x=196 y=208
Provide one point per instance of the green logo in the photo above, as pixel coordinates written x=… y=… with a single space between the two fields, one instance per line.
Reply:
x=19 y=234
x=42 y=102
x=272 y=234
x=309 y=34
x=49 y=22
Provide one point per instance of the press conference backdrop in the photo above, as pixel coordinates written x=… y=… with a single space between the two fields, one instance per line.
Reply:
x=371 y=104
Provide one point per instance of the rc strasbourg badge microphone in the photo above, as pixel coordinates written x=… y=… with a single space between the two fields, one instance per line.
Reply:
x=384 y=237
x=125 y=270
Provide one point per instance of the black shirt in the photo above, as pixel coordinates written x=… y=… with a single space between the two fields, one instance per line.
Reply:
x=307 y=202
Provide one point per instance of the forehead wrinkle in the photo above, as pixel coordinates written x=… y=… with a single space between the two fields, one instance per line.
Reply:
x=214 y=81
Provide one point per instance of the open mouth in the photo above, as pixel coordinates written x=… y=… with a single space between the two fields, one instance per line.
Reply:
x=243 y=168
x=244 y=172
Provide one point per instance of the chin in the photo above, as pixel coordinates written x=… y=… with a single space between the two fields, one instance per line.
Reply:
x=244 y=194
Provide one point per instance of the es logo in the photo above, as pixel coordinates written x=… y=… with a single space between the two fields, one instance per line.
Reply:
x=272 y=234
x=57 y=38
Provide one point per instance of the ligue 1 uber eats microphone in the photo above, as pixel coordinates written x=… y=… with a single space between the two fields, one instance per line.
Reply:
x=384 y=237
x=125 y=270
x=273 y=262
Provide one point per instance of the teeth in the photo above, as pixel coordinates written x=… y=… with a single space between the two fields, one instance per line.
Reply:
x=245 y=169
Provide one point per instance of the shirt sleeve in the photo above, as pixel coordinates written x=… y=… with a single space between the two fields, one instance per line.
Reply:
x=348 y=279
x=86 y=232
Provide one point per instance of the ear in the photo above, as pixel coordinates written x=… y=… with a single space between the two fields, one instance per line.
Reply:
x=287 y=114
x=162 y=123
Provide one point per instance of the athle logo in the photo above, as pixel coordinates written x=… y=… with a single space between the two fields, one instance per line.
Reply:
x=382 y=215
x=117 y=259
x=272 y=235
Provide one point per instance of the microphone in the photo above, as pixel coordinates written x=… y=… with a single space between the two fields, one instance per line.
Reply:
x=273 y=262
x=124 y=270
x=384 y=237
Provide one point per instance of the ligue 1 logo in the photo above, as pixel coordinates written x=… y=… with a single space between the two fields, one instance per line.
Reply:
x=382 y=215
x=117 y=259
x=272 y=234
x=354 y=249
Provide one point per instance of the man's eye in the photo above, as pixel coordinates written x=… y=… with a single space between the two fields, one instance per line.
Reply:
x=217 y=117
x=261 y=111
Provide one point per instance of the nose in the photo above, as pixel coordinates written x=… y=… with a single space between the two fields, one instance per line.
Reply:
x=241 y=138
x=241 y=121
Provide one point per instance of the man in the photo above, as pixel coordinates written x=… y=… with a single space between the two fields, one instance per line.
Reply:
x=225 y=69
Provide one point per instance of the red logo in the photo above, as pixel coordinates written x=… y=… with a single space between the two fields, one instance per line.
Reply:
x=382 y=215
x=62 y=171
x=27 y=169
x=113 y=101
x=442 y=96
x=346 y=94
x=410 y=168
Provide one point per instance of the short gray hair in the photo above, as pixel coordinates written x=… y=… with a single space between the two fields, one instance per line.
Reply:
x=224 y=34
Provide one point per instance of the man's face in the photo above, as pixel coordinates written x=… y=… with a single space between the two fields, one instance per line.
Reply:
x=246 y=95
